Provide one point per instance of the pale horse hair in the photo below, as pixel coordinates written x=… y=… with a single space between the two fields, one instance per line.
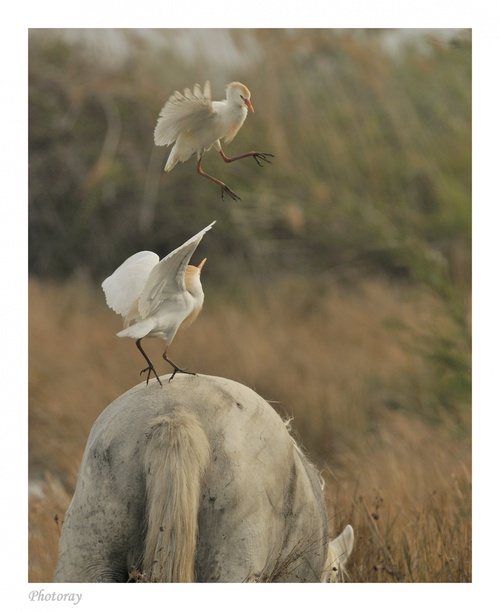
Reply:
x=184 y=445
x=198 y=480
x=339 y=550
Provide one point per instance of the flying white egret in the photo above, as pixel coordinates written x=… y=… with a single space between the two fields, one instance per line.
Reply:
x=157 y=298
x=196 y=123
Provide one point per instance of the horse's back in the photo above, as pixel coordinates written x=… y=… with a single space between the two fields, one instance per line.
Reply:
x=261 y=513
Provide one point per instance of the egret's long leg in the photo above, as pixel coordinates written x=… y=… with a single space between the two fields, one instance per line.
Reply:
x=150 y=368
x=223 y=186
x=257 y=156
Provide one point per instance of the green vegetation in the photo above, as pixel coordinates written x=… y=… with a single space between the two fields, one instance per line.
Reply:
x=372 y=168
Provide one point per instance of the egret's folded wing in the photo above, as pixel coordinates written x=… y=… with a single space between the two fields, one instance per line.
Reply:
x=183 y=112
x=166 y=280
x=125 y=285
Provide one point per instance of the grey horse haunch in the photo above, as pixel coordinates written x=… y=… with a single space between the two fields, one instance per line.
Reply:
x=198 y=480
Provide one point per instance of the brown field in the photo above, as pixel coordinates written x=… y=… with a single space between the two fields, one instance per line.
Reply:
x=357 y=370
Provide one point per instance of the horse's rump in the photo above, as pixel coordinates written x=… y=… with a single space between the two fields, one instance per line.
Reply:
x=201 y=472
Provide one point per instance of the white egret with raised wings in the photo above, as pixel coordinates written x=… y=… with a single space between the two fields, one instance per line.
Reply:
x=195 y=124
x=157 y=298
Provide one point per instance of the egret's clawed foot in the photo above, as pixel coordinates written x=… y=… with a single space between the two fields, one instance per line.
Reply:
x=176 y=369
x=226 y=189
x=149 y=370
x=262 y=157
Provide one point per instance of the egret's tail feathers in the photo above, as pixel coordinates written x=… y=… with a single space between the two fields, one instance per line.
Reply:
x=138 y=330
x=176 y=458
x=171 y=163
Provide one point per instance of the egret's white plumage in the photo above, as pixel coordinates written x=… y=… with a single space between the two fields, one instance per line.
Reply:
x=195 y=124
x=157 y=298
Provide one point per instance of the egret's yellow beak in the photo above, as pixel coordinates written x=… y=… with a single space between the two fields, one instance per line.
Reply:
x=249 y=104
x=200 y=266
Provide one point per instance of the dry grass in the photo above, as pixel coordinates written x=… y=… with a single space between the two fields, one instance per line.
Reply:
x=340 y=365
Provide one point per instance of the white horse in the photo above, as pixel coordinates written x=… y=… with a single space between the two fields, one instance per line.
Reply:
x=339 y=551
x=196 y=480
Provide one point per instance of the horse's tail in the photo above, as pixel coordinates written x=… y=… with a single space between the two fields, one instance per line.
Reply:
x=176 y=458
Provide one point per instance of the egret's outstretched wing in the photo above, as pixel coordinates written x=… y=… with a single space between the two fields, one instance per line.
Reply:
x=125 y=285
x=183 y=112
x=166 y=280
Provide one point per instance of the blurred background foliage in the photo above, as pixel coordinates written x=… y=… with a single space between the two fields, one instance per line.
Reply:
x=372 y=176
x=372 y=143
